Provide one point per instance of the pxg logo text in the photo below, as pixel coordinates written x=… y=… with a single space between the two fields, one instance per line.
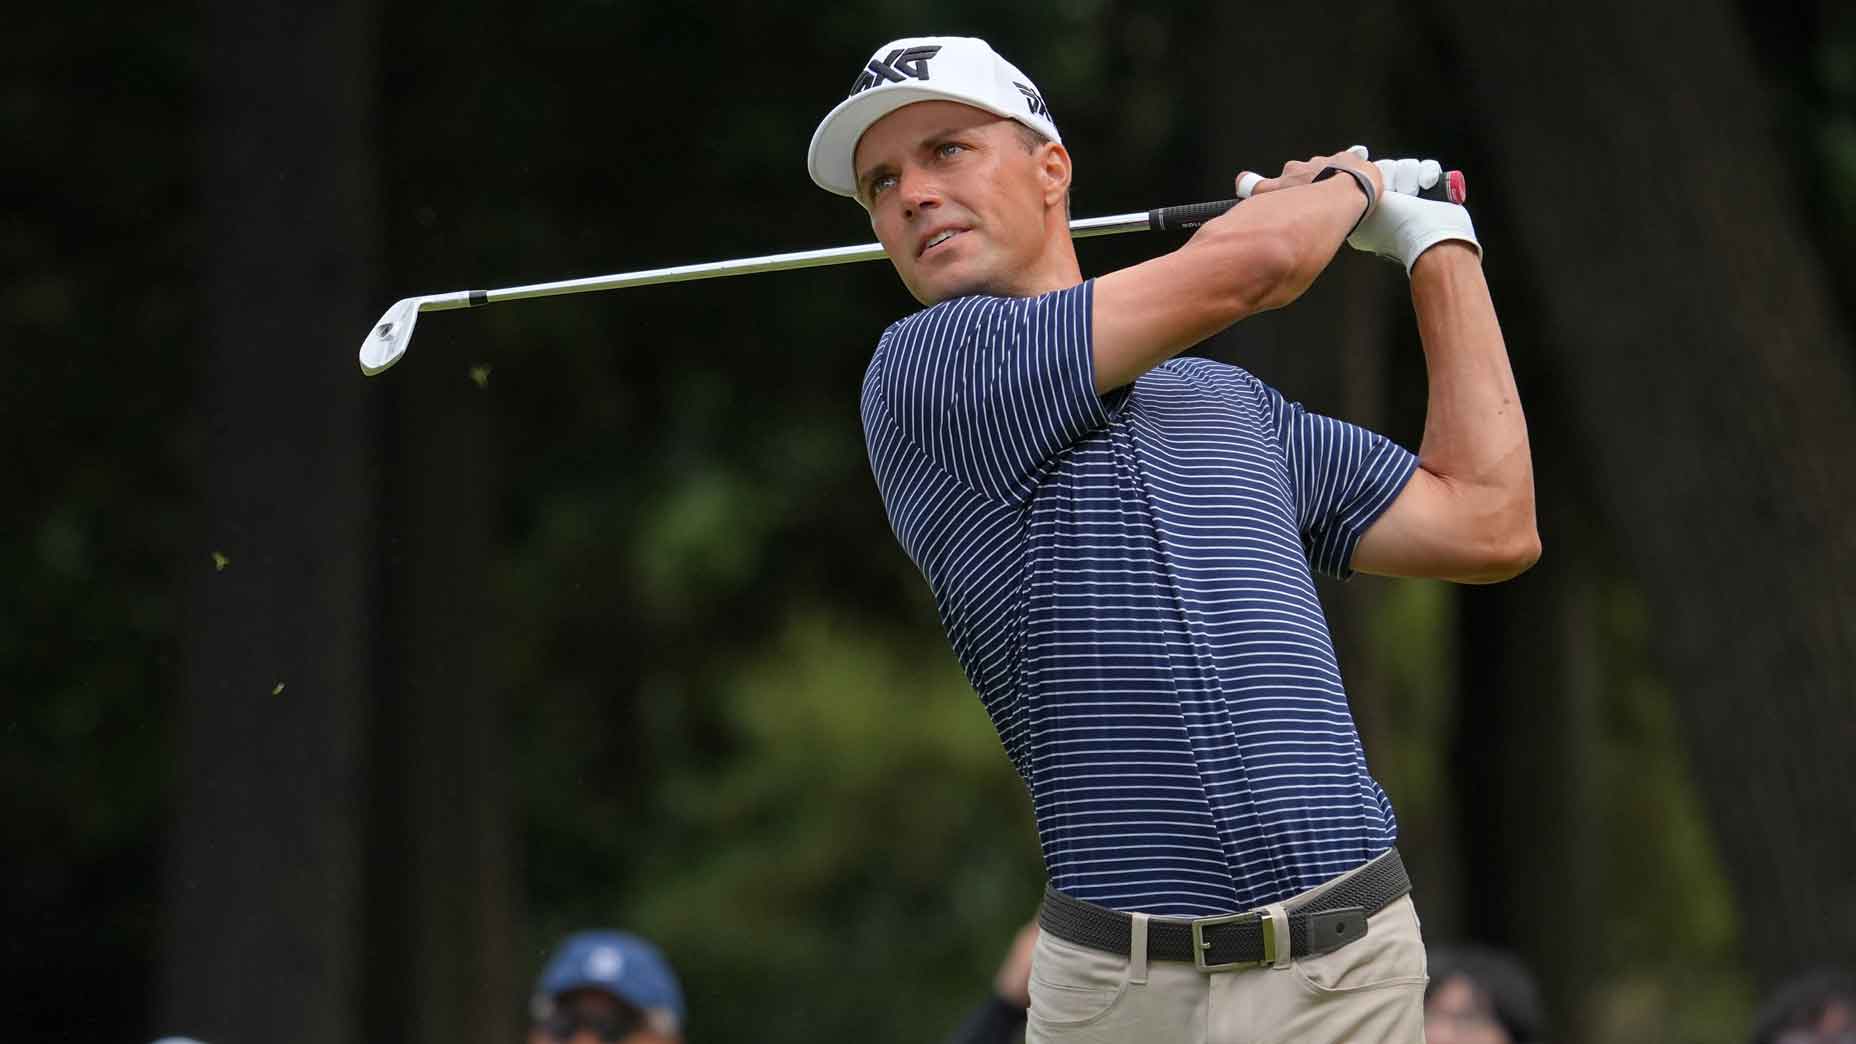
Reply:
x=1033 y=100
x=900 y=64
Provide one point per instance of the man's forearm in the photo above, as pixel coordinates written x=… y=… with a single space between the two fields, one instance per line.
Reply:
x=1475 y=435
x=1260 y=255
x=1467 y=514
x=1309 y=221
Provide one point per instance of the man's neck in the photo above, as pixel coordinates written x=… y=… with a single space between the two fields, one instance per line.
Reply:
x=1057 y=269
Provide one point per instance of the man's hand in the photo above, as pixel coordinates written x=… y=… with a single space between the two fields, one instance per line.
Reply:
x=1300 y=172
x=1404 y=226
x=1012 y=982
x=1409 y=176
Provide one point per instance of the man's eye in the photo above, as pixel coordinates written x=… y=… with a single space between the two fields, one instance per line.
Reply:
x=878 y=184
x=947 y=149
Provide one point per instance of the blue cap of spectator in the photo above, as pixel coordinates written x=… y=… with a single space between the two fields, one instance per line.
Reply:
x=618 y=963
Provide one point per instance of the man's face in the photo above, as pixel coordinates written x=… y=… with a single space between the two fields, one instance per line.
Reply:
x=955 y=197
x=595 y=1017
x=1836 y=1024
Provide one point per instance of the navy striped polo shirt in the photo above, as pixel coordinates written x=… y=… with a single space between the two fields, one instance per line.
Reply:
x=1126 y=581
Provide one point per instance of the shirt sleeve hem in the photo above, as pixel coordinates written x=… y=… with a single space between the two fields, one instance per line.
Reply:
x=1339 y=563
x=1108 y=405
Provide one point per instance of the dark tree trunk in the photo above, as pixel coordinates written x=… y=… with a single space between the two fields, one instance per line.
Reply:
x=263 y=890
x=1715 y=399
x=442 y=856
x=1522 y=762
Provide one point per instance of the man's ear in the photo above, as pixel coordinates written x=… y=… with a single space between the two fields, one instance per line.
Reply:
x=1054 y=171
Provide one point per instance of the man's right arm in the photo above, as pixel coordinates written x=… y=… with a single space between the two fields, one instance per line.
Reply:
x=1260 y=255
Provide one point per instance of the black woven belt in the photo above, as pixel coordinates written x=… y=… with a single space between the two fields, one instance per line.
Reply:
x=1330 y=920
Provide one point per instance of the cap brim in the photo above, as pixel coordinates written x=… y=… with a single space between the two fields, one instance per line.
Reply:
x=584 y=983
x=831 y=158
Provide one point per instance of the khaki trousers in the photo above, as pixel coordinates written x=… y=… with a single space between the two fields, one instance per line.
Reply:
x=1369 y=990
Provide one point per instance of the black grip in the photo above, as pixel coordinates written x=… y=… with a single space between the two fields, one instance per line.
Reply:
x=1450 y=188
x=1186 y=216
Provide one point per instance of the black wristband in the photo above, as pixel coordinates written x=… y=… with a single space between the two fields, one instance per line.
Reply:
x=1366 y=187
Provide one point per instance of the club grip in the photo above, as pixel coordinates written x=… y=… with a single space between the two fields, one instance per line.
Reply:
x=1451 y=188
x=1186 y=216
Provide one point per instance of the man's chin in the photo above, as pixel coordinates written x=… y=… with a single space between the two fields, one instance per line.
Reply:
x=948 y=289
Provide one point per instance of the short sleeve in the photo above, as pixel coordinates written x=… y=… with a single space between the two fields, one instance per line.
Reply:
x=1343 y=477
x=991 y=388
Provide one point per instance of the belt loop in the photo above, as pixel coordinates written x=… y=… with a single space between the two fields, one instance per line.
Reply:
x=1137 y=950
x=1277 y=924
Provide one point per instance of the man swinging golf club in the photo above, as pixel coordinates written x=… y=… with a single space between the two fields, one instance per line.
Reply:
x=1120 y=545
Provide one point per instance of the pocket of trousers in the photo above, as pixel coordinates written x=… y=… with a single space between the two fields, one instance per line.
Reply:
x=1074 y=985
x=1391 y=954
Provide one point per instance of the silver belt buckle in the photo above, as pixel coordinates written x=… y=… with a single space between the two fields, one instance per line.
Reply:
x=1200 y=946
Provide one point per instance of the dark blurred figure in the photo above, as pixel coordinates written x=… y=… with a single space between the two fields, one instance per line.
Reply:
x=1481 y=995
x=607 y=987
x=1001 y=1019
x=1817 y=1007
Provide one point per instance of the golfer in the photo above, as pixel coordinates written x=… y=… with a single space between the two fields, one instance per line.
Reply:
x=1120 y=543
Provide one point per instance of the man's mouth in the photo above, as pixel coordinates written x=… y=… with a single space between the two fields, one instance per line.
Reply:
x=937 y=239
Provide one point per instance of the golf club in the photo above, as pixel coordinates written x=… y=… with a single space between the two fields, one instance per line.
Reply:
x=389 y=338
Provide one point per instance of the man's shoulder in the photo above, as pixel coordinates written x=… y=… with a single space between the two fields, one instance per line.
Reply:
x=943 y=314
x=959 y=316
x=937 y=327
x=1198 y=369
x=1196 y=383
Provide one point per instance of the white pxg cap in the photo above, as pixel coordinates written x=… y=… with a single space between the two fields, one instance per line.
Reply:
x=922 y=68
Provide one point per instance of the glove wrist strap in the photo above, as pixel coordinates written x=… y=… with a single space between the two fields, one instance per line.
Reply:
x=1366 y=188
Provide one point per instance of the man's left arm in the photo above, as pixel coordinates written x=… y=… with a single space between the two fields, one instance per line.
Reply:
x=1467 y=514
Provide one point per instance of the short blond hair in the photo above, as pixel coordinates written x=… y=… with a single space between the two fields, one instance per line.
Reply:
x=1031 y=138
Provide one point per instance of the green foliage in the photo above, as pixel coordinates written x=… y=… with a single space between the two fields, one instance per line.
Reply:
x=1672 y=949
x=1413 y=641
x=862 y=830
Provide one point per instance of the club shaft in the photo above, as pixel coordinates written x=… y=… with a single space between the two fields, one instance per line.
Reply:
x=1178 y=218
x=1081 y=228
x=388 y=339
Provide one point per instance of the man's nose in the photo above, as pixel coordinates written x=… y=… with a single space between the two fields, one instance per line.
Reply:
x=918 y=192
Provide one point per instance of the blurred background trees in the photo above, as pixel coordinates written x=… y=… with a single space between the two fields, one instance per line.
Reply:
x=332 y=702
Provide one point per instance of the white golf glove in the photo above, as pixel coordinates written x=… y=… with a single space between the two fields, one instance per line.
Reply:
x=1402 y=226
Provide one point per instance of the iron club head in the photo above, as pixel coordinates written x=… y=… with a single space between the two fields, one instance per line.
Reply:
x=387 y=341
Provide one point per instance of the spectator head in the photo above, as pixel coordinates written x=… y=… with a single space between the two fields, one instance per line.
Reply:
x=1817 y=1007
x=1480 y=995
x=606 y=987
